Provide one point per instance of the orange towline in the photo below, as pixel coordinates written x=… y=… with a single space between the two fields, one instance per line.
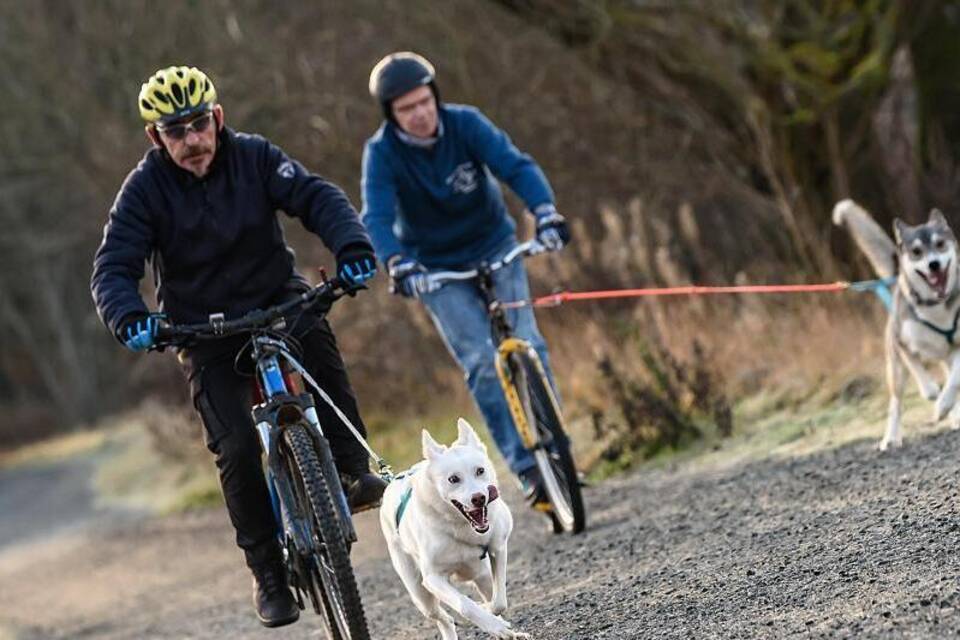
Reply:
x=690 y=290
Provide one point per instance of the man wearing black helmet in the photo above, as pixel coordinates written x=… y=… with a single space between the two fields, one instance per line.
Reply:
x=431 y=200
x=201 y=207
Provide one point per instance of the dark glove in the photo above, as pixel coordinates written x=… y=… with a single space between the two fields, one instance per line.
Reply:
x=408 y=277
x=552 y=229
x=356 y=264
x=139 y=331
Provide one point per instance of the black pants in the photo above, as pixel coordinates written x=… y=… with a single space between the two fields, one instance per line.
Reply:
x=223 y=398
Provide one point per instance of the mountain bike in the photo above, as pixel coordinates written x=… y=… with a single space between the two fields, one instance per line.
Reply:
x=314 y=525
x=530 y=396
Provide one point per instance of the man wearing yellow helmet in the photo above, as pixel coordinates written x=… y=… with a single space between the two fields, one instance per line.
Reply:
x=201 y=207
x=175 y=101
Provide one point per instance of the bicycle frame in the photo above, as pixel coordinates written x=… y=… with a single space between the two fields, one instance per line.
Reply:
x=507 y=343
x=315 y=548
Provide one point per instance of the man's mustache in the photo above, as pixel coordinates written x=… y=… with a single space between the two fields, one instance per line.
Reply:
x=193 y=152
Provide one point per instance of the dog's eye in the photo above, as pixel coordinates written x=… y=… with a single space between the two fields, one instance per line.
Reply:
x=480 y=471
x=941 y=246
x=454 y=479
x=916 y=252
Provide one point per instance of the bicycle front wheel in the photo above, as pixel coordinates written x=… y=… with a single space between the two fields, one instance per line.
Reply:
x=328 y=562
x=552 y=453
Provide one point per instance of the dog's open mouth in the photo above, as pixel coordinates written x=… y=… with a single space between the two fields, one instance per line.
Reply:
x=476 y=517
x=937 y=280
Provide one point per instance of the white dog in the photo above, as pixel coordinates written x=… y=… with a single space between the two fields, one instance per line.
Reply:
x=444 y=519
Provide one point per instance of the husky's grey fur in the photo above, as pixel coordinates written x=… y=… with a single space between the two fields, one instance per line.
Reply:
x=922 y=327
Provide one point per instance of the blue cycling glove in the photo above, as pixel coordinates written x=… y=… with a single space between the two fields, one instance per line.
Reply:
x=356 y=265
x=408 y=277
x=552 y=229
x=140 y=332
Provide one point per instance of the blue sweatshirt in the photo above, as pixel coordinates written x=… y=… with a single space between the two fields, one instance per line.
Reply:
x=215 y=243
x=441 y=205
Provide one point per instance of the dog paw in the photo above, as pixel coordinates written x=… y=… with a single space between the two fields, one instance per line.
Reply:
x=943 y=407
x=497 y=627
x=938 y=413
x=888 y=443
x=496 y=608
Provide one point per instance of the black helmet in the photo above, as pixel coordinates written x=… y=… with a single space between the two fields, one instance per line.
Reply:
x=400 y=73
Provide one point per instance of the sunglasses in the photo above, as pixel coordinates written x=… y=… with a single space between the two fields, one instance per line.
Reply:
x=179 y=131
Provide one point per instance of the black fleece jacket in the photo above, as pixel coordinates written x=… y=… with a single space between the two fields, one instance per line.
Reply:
x=214 y=243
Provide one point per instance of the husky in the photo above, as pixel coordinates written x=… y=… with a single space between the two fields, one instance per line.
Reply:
x=444 y=519
x=922 y=327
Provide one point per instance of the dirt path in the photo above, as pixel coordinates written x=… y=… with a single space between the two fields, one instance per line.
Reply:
x=847 y=542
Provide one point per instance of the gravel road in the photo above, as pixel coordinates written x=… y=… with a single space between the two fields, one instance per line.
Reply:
x=841 y=543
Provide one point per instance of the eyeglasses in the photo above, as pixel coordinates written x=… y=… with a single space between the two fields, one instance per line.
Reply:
x=179 y=131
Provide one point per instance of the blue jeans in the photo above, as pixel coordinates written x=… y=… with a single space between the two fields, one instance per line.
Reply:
x=459 y=314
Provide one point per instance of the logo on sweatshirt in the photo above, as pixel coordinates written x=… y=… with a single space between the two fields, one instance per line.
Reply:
x=464 y=178
x=286 y=170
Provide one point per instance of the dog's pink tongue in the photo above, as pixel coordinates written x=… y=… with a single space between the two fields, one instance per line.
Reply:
x=939 y=281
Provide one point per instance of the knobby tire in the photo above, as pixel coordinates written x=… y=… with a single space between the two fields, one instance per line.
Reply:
x=328 y=528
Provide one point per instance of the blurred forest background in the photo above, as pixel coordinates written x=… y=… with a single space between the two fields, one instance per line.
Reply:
x=687 y=141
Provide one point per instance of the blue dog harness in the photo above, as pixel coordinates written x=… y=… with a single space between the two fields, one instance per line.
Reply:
x=405 y=498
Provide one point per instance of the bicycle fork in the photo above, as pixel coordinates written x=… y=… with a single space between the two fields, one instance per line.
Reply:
x=509 y=346
x=268 y=434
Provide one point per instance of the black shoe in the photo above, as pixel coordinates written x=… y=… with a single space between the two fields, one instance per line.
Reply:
x=364 y=490
x=271 y=596
x=533 y=492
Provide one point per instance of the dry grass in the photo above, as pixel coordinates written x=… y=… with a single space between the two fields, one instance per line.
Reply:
x=762 y=356
x=54 y=450
x=157 y=462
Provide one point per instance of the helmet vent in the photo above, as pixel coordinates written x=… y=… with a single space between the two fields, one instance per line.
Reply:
x=177 y=93
x=162 y=98
x=192 y=86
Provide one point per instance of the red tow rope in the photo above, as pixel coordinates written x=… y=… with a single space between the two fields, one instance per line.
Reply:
x=692 y=290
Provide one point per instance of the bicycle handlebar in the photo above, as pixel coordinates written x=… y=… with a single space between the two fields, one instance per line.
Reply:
x=526 y=249
x=169 y=335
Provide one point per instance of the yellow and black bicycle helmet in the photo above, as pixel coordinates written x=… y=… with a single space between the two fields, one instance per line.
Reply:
x=175 y=92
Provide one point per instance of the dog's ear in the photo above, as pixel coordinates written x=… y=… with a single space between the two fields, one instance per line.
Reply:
x=899 y=226
x=937 y=217
x=467 y=437
x=431 y=448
